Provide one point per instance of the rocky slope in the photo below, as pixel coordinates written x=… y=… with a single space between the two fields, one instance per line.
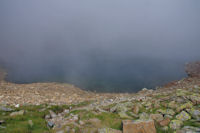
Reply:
x=60 y=108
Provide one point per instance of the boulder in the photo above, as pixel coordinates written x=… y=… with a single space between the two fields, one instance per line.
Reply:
x=193 y=69
x=139 y=126
x=195 y=114
x=183 y=116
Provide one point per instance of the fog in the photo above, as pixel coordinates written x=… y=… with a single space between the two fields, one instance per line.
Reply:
x=104 y=45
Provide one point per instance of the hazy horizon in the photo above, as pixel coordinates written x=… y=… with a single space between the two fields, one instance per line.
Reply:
x=117 y=46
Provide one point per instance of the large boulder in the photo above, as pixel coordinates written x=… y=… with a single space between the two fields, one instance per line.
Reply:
x=193 y=69
x=139 y=126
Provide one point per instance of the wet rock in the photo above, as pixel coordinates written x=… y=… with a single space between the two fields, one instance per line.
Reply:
x=21 y=112
x=164 y=122
x=156 y=117
x=175 y=124
x=108 y=130
x=139 y=126
x=50 y=124
x=183 y=116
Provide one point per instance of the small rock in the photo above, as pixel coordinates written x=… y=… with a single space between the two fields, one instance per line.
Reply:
x=50 y=124
x=30 y=122
x=52 y=114
x=2 y=121
x=47 y=116
x=17 y=106
x=123 y=115
x=108 y=130
x=183 y=116
x=139 y=126
x=175 y=124
x=156 y=117
x=144 y=116
x=164 y=122
x=195 y=114
x=136 y=109
x=21 y=112
x=61 y=131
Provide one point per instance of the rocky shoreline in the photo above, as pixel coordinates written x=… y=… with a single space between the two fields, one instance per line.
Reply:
x=63 y=108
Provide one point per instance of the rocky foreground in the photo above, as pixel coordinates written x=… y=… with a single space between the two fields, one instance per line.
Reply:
x=63 y=108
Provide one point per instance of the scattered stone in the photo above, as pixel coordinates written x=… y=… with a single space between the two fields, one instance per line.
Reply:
x=175 y=124
x=21 y=112
x=183 y=116
x=164 y=122
x=139 y=126
x=156 y=117
x=108 y=130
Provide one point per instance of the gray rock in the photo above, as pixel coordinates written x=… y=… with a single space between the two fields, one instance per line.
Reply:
x=2 y=121
x=144 y=116
x=50 y=124
x=2 y=108
x=175 y=124
x=52 y=114
x=21 y=112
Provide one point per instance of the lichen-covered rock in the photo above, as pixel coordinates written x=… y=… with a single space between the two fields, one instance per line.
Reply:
x=175 y=124
x=139 y=126
x=187 y=105
x=166 y=111
x=183 y=116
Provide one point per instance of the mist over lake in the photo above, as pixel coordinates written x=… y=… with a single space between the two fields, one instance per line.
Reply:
x=105 y=46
